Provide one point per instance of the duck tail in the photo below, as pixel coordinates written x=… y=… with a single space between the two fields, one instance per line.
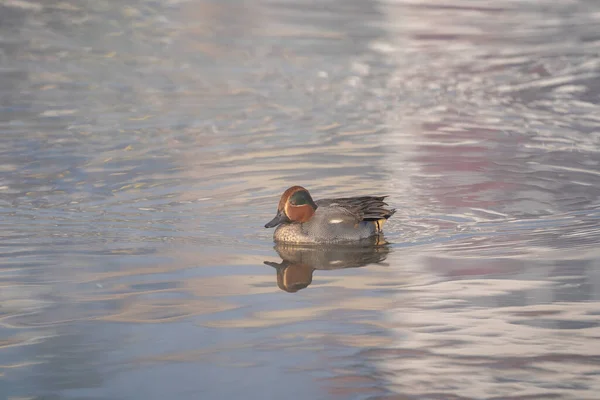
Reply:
x=381 y=221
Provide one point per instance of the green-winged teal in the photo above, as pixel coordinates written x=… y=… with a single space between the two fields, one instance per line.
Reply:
x=300 y=219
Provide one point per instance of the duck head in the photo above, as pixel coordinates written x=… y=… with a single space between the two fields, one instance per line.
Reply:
x=295 y=205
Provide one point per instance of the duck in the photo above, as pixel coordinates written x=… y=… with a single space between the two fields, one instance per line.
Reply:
x=302 y=220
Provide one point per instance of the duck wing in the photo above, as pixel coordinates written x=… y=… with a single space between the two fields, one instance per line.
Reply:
x=362 y=208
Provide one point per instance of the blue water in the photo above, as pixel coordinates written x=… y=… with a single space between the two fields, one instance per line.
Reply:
x=145 y=145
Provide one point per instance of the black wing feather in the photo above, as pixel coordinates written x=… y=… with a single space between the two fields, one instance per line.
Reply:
x=365 y=208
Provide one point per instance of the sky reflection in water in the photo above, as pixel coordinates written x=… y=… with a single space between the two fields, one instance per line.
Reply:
x=144 y=146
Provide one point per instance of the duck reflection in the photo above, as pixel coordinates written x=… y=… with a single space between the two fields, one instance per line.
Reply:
x=295 y=272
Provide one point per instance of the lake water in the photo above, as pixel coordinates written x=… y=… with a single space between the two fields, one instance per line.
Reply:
x=146 y=143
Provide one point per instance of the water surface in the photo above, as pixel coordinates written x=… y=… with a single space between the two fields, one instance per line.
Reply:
x=145 y=145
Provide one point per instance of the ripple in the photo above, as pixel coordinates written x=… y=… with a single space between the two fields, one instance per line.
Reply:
x=145 y=146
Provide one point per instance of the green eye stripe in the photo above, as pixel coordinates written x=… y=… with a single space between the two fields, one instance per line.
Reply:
x=300 y=198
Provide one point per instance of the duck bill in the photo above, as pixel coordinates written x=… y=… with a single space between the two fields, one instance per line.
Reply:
x=280 y=218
